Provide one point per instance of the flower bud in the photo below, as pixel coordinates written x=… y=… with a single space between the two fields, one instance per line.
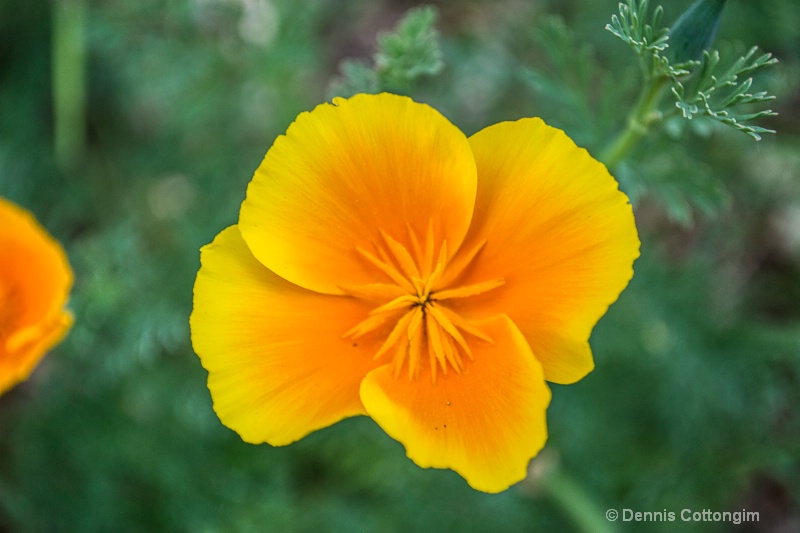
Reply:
x=695 y=30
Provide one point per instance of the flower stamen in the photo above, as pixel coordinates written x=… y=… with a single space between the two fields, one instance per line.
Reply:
x=398 y=303
x=395 y=335
x=416 y=320
x=449 y=327
x=402 y=256
x=470 y=290
x=386 y=268
x=369 y=325
x=374 y=292
x=423 y=322
x=465 y=325
x=460 y=263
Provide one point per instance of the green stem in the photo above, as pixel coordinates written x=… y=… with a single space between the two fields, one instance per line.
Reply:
x=637 y=124
x=576 y=503
x=69 y=81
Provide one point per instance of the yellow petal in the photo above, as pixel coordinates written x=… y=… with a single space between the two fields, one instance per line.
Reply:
x=344 y=172
x=279 y=367
x=558 y=232
x=485 y=423
x=35 y=280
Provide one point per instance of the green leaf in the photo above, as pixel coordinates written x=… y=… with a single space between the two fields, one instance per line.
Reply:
x=357 y=77
x=720 y=97
x=409 y=52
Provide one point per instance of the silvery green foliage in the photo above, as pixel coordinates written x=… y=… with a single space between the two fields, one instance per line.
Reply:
x=699 y=89
x=410 y=51
x=717 y=96
x=648 y=39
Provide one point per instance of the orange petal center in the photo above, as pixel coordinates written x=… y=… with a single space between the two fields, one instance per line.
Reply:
x=413 y=303
x=9 y=306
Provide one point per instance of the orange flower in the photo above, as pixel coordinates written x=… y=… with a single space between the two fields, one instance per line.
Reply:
x=35 y=279
x=385 y=264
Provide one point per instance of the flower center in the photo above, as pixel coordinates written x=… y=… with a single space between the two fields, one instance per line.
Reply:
x=414 y=298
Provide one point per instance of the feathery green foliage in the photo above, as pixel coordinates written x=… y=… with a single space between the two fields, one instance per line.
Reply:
x=720 y=96
x=707 y=96
x=697 y=90
x=693 y=401
x=409 y=52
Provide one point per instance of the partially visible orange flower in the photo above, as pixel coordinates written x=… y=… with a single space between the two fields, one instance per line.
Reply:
x=385 y=264
x=35 y=279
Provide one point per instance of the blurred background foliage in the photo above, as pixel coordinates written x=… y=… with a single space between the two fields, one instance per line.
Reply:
x=695 y=399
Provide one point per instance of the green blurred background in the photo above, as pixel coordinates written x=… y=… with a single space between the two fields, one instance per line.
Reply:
x=694 y=402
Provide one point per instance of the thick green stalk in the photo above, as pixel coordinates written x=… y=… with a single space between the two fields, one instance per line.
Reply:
x=638 y=122
x=577 y=504
x=69 y=81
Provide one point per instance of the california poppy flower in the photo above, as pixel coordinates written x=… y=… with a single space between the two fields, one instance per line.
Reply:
x=35 y=279
x=384 y=264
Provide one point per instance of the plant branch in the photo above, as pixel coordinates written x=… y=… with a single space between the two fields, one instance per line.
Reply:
x=641 y=117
